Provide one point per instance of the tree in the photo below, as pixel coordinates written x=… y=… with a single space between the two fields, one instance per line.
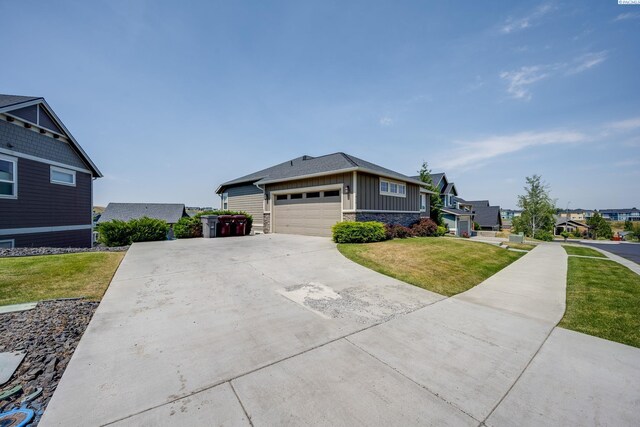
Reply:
x=435 y=205
x=537 y=208
x=599 y=226
x=628 y=225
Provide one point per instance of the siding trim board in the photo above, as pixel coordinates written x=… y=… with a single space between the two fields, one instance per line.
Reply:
x=41 y=160
x=35 y=230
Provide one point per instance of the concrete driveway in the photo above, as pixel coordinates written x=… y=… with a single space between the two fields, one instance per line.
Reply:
x=279 y=329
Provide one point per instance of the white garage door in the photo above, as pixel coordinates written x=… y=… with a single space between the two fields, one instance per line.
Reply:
x=310 y=213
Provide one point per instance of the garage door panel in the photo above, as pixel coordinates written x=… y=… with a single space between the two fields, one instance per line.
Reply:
x=314 y=218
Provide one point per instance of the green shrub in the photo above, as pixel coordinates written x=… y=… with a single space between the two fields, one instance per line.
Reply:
x=476 y=226
x=147 y=229
x=565 y=234
x=358 y=232
x=115 y=233
x=442 y=230
x=188 y=227
x=543 y=235
x=396 y=231
x=426 y=227
x=248 y=226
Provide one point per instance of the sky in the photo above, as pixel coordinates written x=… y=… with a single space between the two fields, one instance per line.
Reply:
x=170 y=99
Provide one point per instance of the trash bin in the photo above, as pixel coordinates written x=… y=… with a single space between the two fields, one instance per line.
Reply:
x=225 y=222
x=209 y=225
x=240 y=222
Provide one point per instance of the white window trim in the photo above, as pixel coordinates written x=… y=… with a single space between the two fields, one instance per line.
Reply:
x=389 y=193
x=62 y=170
x=13 y=160
x=224 y=201
x=12 y=241
x=423 y=196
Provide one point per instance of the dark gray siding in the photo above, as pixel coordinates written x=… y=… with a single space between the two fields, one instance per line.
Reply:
x=58 y=239
x=42 y=204
x=369 y=197
x=27 y=141
x=342 y=178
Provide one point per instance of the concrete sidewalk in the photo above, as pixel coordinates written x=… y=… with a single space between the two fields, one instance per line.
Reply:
x=213 y=331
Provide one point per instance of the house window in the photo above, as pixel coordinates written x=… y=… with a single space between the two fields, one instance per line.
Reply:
x=225 y=201
x=6 y=244
x=332 y=193
x=296 y=196
x=281 y=197
x=63 y=176
x=8 y=177
x=390 y=188
x=423 y=202
x=313 y=195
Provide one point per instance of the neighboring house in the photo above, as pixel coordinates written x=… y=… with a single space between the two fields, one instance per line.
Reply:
x=487 y=216
x=509 y=214
x=308 y=195
x=169 y=212
x=632 y=214
x=46 y=178
x=574 y=214
x=570 y=225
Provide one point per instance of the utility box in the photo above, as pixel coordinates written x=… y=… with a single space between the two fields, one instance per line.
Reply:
x=516 y=238
x=209 y=225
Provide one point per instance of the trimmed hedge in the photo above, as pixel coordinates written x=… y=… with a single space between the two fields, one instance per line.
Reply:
x=359 y=232
x=121 y=233
x=396 y=231
x=426 y=227
x=188 y=227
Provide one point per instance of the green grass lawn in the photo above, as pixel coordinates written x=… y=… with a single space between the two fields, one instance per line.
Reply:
x=578 y=250
x=603 y=299
x=438 y=264
x=522 y=246
x=35 y=278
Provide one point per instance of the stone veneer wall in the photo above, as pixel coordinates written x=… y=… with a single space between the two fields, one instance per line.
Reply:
x=405 y=219
x=266 y=227
x=348 y=216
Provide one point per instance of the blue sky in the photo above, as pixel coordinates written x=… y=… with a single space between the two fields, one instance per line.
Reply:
x=170 y=100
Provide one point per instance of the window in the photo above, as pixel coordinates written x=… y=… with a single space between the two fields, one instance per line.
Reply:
x=281 y=197
x=225 y=201
x=390 y=188
x=8 y=177
x=332 y=193
x=423 y=202
x=296 y=196
x=63 y=176
x=313 y=195
x=6 y=244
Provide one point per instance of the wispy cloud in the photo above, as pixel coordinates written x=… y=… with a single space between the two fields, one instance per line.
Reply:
x=518 y=24
x=386 y=121
x=624 y=125
x=627 y=163
x=470 y=154
x=587 y=61
x=518 y=81
x=626 y=16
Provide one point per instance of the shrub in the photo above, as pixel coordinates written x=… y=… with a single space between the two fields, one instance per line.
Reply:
x=476 y=226
x=115 y=233
x=147 y=229
x=358 y=232
x=442 y=230
x=426 y=227
x=565 y=234
x=188 y=227
x=577 y=234
x=543 y=235
x=465 y=235
x=227 y=212
x=396 y=231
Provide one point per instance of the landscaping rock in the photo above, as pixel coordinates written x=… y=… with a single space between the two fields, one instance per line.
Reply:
x=15 y=252
x=49 y=335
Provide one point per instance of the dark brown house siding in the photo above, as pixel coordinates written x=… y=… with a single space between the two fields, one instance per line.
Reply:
x=369 y=197
x=43 y=204
x=57 y=239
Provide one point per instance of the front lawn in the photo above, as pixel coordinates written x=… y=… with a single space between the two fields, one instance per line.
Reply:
x=582 y=251
x=522 y=246
x=603 y=299
x=35 y=278
x=441 y=265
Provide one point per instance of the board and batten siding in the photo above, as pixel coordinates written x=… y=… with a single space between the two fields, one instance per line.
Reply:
x=248 y=198
x=370 y=199
x=342 y=178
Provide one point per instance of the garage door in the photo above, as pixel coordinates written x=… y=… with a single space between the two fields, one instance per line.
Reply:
x=310 y=213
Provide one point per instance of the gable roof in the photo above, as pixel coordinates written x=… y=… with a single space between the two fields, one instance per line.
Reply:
x=450 y=188
x=487 y=216
x=436 y=177
x=456 y=212
x=563 y=221
x=170 y=212
x=315 y=166
x=481 y=203
x=9 y=103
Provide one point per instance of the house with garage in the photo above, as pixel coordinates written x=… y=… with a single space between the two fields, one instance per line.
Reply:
x=168 y=212
x=46 y=178
x=487 y=216
x=308 y=195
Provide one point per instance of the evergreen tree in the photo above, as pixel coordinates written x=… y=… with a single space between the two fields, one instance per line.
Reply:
x=435 y=205
x=537 y=208
x=599 y=226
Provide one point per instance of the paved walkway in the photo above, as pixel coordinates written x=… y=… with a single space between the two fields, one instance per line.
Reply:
x=214 y=331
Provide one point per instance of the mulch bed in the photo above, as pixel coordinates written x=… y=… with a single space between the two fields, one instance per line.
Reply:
x=15 y=252
x=49 y=335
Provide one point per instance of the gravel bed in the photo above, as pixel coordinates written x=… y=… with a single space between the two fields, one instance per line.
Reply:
x=15 y=252
x=49 y=335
